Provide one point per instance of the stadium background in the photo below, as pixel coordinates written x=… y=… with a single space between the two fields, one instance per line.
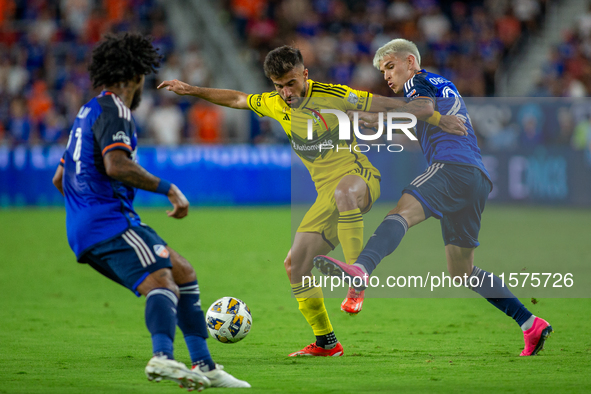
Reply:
x=538 y=149
x=64 y=329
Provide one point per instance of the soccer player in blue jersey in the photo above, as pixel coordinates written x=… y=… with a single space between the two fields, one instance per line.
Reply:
x=453 y=189
x=99 y=175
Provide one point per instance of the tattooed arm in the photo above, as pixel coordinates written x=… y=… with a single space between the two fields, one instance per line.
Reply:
x=119 y=166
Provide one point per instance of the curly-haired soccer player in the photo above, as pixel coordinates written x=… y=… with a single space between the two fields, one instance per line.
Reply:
x=99 y=176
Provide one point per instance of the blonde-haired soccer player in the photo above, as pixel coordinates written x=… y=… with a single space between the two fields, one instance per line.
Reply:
x=346 y=182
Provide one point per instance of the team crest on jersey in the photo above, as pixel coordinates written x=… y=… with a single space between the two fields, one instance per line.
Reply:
x=353 y=99
x=161 y=251
x=121 y=136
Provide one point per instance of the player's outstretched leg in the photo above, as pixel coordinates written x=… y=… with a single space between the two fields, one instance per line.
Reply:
x=191 y=321
x=535 y=330
x=333 y=267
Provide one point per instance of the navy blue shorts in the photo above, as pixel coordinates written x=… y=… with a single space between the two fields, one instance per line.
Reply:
x=456 y=195
x=129 y=257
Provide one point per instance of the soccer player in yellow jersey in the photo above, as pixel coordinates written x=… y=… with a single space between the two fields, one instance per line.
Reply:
x=346 y=182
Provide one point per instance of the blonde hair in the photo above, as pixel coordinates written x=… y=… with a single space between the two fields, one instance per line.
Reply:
x=397 y=45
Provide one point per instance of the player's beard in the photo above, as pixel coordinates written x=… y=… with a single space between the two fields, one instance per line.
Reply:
x=137 y=99
x=296 y=101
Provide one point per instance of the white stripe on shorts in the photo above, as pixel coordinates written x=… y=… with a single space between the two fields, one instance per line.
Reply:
x=437 y=167
x=142 y=244
x=139 y=253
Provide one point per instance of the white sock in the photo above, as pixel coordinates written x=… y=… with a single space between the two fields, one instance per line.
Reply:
x=528 y=324
x=362 y=267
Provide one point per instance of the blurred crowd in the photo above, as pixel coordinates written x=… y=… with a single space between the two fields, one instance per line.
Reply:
x=464 y=41
x=45 y=47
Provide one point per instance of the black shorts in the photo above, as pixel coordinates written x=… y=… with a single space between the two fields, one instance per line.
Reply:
x=456 y=194
x=129 y=257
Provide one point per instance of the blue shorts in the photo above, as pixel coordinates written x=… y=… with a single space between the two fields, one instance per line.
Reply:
x=455 y=194
x=129 y=257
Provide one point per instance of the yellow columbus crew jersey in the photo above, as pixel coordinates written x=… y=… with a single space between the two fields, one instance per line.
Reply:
x=324 y=154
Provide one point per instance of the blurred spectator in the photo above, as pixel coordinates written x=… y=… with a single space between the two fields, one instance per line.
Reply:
x=171 y=68
x=39 y=101
x=205 y=123
x=53 y=127
x=194 y=69
x=166 y=122
x=19 y=125
x=582 y=135
x=531 y=120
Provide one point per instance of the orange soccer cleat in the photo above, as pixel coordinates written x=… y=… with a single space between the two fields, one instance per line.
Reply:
x=314 y=350
x=354 y=301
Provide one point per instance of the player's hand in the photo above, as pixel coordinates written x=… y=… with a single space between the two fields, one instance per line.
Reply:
x=368 y=120
x=179 y=87
x=179 y=203
x=453 y=125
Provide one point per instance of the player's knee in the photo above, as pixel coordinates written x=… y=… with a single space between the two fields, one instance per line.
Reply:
x=159 y=279
x=182 y=270
x=345 y=198
x=287 y=264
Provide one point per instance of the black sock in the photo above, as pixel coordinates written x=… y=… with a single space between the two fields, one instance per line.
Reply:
x=327 y=341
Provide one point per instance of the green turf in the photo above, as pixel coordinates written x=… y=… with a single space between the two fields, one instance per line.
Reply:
x=66 y=329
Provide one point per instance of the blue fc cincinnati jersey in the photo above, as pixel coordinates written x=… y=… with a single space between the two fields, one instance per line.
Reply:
x=437 y=145
x=97 y=207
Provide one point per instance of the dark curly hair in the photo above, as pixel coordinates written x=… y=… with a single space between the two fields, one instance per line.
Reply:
x=282 y=60
x=122 y=57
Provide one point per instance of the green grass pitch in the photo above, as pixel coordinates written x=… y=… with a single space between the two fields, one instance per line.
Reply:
x=66 y=329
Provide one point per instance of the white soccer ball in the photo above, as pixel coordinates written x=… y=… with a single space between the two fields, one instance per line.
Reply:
x=228 y=320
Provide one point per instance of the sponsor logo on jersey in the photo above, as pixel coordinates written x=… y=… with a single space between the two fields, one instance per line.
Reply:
x=411 y=93
x=160 y=250
x=437 y=81
x=353 y=99
x=121 y=136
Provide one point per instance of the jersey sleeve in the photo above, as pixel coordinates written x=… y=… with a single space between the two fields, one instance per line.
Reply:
x=261 y=104
x=357 y=100
x=114 y=130
x=419 y=88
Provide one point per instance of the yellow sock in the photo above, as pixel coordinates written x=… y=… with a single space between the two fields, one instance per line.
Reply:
x=311 y=304
x=350 y=231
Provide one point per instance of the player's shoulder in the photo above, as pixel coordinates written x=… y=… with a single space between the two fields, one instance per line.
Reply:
x=423 y=82
x=321 y=89
x=111 y=105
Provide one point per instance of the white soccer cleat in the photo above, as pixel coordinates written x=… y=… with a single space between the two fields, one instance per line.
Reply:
x=159 y=368
x=220 y=378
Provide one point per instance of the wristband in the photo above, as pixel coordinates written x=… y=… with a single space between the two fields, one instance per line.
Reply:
x=163 y=187
x=434 y=119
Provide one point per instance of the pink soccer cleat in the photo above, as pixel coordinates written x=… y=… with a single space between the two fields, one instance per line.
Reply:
x=329 y=266
x=536 y=336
